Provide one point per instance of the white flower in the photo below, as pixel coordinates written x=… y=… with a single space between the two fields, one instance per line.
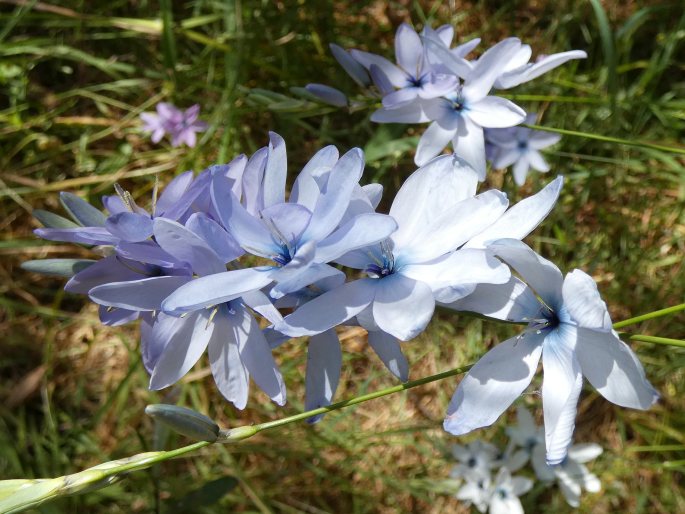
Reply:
x=572 y=475
x=521 y=147
x=476 y=460
x=569 y=328
x=498 y=497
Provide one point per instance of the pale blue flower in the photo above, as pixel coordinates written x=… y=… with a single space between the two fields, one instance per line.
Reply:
x=520 y=147
x=569 y=328
x=300 y=236
x=436 y=213
x=460 y=115
x=412 y=76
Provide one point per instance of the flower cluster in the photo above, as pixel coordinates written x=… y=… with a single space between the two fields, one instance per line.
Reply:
x=180 y=125
x=178 y=268
x=499 y=494
x=432 y=82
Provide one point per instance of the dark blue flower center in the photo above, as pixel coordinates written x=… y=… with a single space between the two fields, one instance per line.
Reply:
x=523 y=145
x=383 y=265
x=472 y=462
x=285 y=256
x=502 y=493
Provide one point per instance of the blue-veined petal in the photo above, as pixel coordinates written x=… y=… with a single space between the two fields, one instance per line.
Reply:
x=522 y=218
x=218 y=239
x=408 y=49
x=332 y=204
x=539 y=273
x=214 y=289
x=330 y=309
x=496 y=112
x=324 y=362
x=230 y=375
x=583 y=302
x=560 y=390
x=362 y=230
x=469 y=144
x=255 y=353
x=185 y=246
x=137 y=295
x=402 y=307
x=173 y=192
x=388 y=349
x=493 y=383
x=428 y=193
x=513 y=301
x=614 y=369
x=187 y=340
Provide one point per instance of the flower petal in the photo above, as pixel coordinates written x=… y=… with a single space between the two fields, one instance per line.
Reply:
x=214 y=289
x=614 y=369
x=218 y=239
x=250 y=233
x=433 y=141
x=560 y=390
x=330 y=309
x=513 y=301
x=496 y=112
x=402 y=306
x=539 y=273
x=137 y=295
x=428 y=193
x=412 y=112
x=327 y=94
x=388 y=349
x=584 y=303
x=493 y=383
x=324 y=362
x=311 y=181
x=332 y=204
x=488 y=68
x=396 y=76
x=187 y=339
x=362 y=230
x=255 y=353
x=408 y=49
x=275 y=171
x=230 y=375
x=522 y=218
x=454 y=227
x=469 y=144
x=185 y=246
x=351 y=66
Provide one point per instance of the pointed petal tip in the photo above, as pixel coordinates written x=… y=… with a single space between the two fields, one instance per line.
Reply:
x=456 y=426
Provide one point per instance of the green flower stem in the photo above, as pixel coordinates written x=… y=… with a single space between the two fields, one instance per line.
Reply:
x=18 y=495
x=363 y=398
x=650 y=315
x=588 y=135
x=658 y=340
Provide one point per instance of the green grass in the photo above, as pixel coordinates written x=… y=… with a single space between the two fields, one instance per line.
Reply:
x=73 y=82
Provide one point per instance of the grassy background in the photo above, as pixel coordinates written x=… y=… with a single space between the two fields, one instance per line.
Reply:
x=74 y=78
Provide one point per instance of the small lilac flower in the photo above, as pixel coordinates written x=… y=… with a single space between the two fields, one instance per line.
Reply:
x=180 y=125
x=521 y=147
x=570 y=328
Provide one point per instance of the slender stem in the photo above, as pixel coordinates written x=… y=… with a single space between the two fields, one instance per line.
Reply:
x=361 y=399
x=658 y=340
x=609 y=139
x=650 y=315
